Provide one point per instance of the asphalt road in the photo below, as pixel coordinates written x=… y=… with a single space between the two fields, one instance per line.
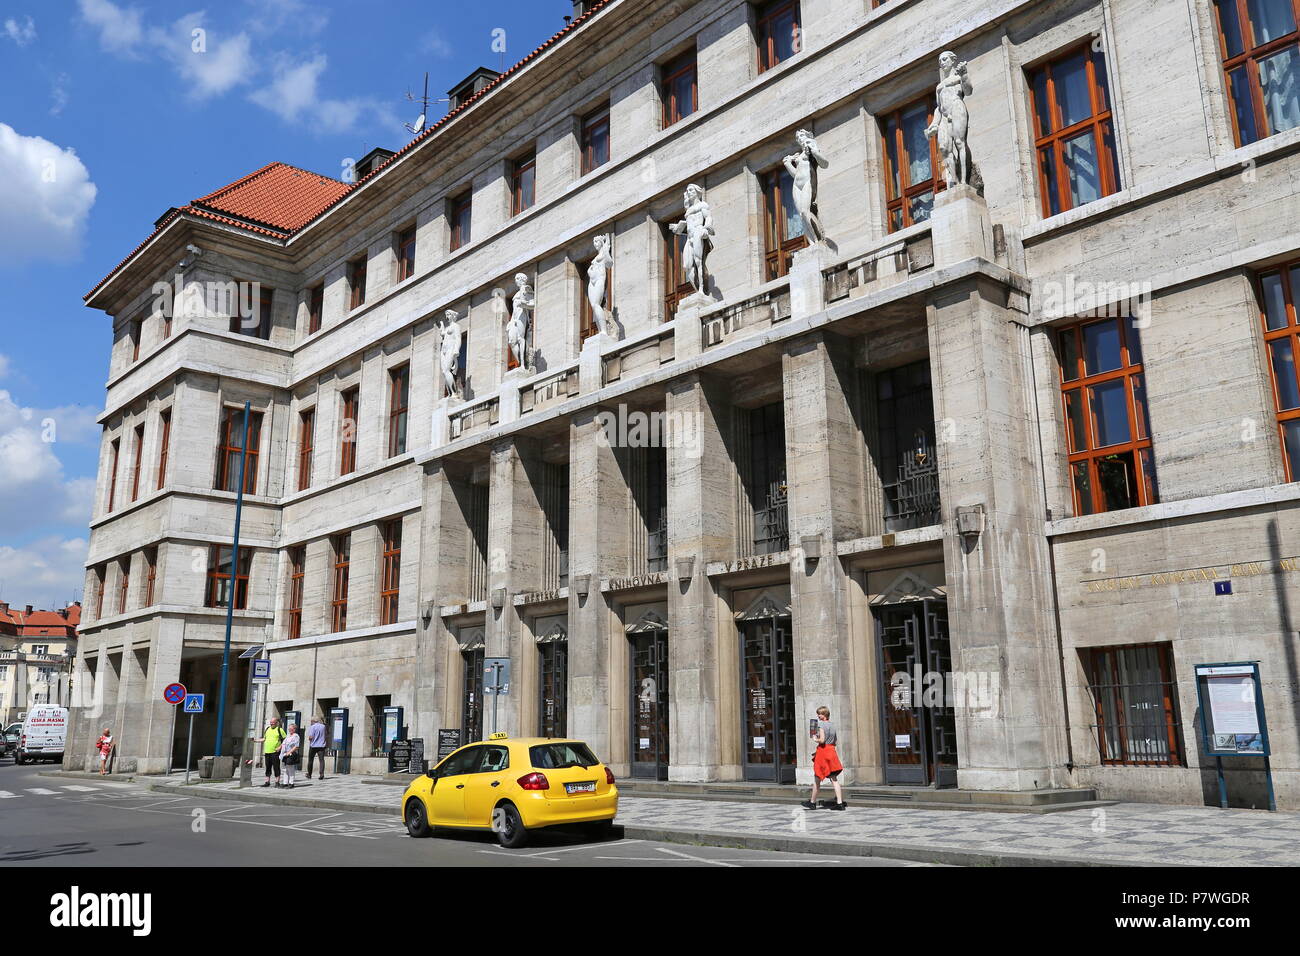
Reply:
x=45 y=821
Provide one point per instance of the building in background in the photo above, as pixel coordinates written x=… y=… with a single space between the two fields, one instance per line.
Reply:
x=988 y=473
x=37 y=649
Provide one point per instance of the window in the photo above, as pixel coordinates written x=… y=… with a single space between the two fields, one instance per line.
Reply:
x=1108 y=440
x=587 y=326
x=1260 y=47
x=676 y=286
x=101 y=573
x=134 y=333
x=306 y=435
x=523 y=184
x=230 y=449
x=297 y=565
x=680 y=92
x=114 y=451
x=1277 y=290
x=782 y=226
x=390 y=583
x=139 y=462
x=779 y=34
x=911 y=159
x=258 y=324
x=595 y=140
x=342 y=547
x=150 y=574
x=219 y=565
x=348 y=432
x=399 y=398
x=357 y=282
x=405 y=254
x=166 y=325
x=461 y=214
x=164 y=445
x=1134 y=694
x=123 y=584
x=1072 y=130
x=315 y=307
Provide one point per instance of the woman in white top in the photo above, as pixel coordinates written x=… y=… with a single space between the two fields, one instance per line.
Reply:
x=289 y=756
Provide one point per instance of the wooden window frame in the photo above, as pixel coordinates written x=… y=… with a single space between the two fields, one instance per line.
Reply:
x=676 y=286
x=1102 y=662
x=406 y=253
x=101 y=583
x=265 y=304
x=341 y=557
x=673 y=70
x=228 y=452
x=519 y=168
x=902 y=202
x=766 y=15
x=139 y=462
x=115 y=447
x=391 y=571
x=164 y=444
x=460 y=219
x=1051 y=143
x=356 y=272
x=315 y=307
x=239 y=591
x=586 y=318
x=592 y=122
x=350 y=407
x=1250 y=57
x=134 y=331
x=778 y=251
x=150 y=574
x=399 y=408
x=306 y=446
x=1128 y=372
x=297 y=574
x=123 y=584
x=1286 y=272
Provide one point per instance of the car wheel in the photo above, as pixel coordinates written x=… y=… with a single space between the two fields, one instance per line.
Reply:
x=417 y=820
x=508 y=827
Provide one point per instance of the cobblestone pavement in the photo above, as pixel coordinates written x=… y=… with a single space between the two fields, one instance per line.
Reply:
x=1132 y=833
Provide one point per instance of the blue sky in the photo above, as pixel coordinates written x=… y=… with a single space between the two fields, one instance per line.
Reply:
x=111 y=112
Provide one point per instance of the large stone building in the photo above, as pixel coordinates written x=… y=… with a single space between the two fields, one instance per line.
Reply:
x=988 y=472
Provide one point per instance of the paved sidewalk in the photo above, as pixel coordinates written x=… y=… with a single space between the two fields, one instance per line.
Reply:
x=1125 y=834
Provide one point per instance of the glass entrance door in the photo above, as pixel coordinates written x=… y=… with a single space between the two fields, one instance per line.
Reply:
x=555 y=680
x=767 y=700
x=650 y=704
x=918 y=722
x=472 y=709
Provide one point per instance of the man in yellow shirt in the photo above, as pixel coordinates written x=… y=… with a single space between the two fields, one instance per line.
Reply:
x=271 y=739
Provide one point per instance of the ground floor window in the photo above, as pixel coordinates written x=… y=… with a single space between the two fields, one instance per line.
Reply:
x=1136 y=704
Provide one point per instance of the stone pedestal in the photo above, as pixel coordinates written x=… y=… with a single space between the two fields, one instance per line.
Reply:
x=960 y=227
x=688 y=333
x=508 y=395
x=591 y=368
x=807 y=280
x=442 y=422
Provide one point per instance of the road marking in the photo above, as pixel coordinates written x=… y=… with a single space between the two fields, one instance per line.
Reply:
x=5 y=795
x=81 y=789
x=42 y=792
x=697 y=859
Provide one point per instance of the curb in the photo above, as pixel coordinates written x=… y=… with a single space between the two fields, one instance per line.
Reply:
x=240 y=796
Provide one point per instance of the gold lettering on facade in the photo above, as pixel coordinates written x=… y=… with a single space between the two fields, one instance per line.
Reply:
x=1243 y=569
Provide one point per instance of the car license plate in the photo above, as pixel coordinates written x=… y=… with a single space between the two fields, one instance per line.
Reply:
x=588 y=787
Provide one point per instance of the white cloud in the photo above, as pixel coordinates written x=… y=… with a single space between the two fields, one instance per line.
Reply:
x=45 y=198
x=59 y=94
x=21 y=33
x=45 y=573
x=210 y=65
x=434 y=42
x=121 y=30
x=300 y=17
x=293 y=95
x=4 y=365
x=34 y=492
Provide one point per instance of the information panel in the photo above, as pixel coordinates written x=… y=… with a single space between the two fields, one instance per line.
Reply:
x=1232 y=709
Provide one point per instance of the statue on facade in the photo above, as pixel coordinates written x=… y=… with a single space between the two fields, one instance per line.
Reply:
x=521 y=319
x=952 y=119
x=697 y=227
x=449 y=355
x=597 y=280
x=802 y=168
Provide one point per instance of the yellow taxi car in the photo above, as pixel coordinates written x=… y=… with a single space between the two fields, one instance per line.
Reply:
x=510 y=786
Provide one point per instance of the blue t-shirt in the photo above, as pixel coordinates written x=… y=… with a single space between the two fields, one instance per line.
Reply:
x=316 y=735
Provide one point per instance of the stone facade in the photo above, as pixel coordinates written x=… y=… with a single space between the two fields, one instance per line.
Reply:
x=792 y=550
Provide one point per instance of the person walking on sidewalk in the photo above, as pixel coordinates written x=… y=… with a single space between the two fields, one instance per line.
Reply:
x=826 y=761
x=316 y=746
x=290 y=755
x=105 y=747
x=272 y=738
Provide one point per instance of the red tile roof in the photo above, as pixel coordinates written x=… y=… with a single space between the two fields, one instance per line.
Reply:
x=279 y=200
x=41 y=623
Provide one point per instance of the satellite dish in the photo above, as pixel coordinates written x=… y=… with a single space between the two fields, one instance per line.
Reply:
x=419 y=125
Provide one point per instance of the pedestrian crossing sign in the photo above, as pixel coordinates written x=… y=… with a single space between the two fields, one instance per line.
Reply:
x=193 y=703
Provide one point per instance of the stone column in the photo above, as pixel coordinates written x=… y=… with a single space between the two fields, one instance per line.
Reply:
x=825 y=464
x=701 y=638
x=598 y=546
x=999 y=587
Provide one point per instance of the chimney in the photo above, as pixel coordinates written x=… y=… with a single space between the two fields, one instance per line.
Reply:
x=580 y=7
x=29 y=609
x=4 y=607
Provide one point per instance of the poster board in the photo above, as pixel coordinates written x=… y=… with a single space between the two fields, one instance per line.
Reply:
x=1232 y=709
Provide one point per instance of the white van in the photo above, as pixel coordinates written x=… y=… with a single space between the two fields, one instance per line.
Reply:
x=45 y=730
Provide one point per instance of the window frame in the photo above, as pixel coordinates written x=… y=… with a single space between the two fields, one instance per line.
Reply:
x=587 y=326
x=519 y=170
x=673 y=70
x=315 y=307
x=1291 y=330
x=115 y=447
x=164 y=445
x=405 y=247
x=593 y=121
x=1250 y=57
x=765 y=15
x=139 y=461
x=297 y=577
x=390 y=571
x=349 y=409
x=676 y=286
x=778 y=257
x=1147 y=486
x=134 y=331
x=341 y=557
x=1099 y=120
x=907 y=191
x=101 y=583
x=460 y=220
x=239 y=592
x=123 y=583
x=356 y=275
x=150 y=574
x=306 y=446
x=399 y=408
x=1096 y=659
x=226 y=452
x=265 y=304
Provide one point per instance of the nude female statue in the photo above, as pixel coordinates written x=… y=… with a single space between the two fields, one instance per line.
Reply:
x=450 y=352
x=697 y=226
x=597 y=277
x=521 y=317
x=800 y=167
x=952 y=119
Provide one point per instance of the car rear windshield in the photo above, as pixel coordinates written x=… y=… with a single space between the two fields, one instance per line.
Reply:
x=559 y=756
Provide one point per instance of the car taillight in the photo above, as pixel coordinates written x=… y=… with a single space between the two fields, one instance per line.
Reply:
x=609 y=777
x=534 y=781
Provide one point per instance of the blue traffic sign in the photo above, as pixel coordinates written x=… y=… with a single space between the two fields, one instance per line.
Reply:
x=174 y=693
x=262 y=671
x=193 y=703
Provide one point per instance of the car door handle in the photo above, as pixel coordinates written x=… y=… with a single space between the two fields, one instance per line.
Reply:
x=460 y=786
x=496 y=783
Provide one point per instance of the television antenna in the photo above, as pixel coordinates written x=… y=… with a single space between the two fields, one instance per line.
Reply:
x=417 y=127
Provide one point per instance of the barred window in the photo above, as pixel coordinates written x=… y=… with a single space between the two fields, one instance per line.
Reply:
x=1135 y=698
